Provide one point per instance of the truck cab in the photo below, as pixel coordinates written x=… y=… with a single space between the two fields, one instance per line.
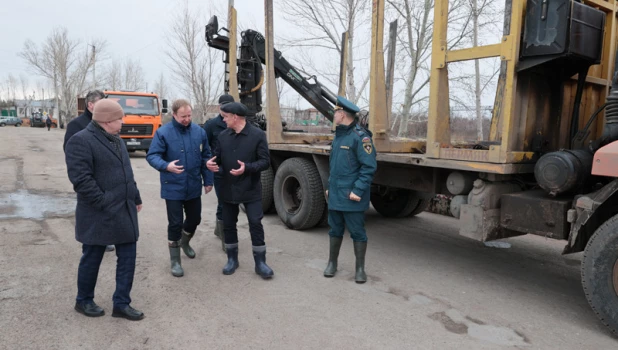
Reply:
x=142 y=117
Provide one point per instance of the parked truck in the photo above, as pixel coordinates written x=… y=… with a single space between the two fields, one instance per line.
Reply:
x=549 y=167
x=142 y=116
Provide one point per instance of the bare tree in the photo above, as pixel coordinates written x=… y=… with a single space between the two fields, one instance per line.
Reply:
x=134 y=79
x=321 y=23
x=11 y=87
x=161 y=89
x=113 y=75
x=414 y=43
x=196 y=68
x=60 y=60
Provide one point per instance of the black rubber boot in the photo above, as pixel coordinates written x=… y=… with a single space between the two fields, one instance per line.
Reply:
x=359 y=251
x=259 y=255
x=335 y=245
x=184 y=243
x=220 y=233
x=232 y=259
x=177 y=270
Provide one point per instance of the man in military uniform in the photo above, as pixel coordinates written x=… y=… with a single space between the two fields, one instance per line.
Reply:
x=352 y=166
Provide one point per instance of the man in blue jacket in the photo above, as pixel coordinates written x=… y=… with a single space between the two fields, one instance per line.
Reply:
x=179 y=151
x=214 y=127
x=352 y=166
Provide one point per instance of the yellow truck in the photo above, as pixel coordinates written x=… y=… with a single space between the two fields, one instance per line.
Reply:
x=549 y=167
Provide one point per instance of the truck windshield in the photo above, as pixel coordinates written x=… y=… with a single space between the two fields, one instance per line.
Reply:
x=140 y=105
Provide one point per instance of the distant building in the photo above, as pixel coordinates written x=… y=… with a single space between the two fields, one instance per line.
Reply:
x=25 y=108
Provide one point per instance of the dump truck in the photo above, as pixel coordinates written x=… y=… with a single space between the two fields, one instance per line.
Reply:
x=142 y=116
x=548 y=168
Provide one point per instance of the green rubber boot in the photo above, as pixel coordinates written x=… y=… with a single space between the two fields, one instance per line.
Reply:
x=359 y=251
x=335 y=245
x=177 y=270
x=184 y=243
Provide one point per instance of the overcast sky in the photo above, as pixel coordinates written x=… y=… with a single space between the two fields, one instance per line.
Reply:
x=132 y=28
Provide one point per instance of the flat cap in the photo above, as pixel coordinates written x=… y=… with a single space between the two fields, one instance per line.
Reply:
x=346 y=105
x=235 y=108
x=223 y=99
x=107 y=111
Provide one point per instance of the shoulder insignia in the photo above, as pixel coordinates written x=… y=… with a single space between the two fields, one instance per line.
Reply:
x=366 y=139
x=367 y=147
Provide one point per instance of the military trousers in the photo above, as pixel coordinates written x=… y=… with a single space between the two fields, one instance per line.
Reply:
x=353 y=220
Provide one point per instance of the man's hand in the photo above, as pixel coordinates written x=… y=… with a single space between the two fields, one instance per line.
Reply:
x=354 y=197
x=211 y=165
x=326 y=194
x=239 y=171
x=139 y=208
x=207 y=189
x=173 y=168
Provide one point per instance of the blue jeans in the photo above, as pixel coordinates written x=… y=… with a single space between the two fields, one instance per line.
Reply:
x=254 y=216
x=175 y=224
x=217 y=190
x=88 y=271
x=353 y=220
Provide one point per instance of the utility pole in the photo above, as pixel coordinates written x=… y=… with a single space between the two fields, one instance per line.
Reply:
x=94 y=62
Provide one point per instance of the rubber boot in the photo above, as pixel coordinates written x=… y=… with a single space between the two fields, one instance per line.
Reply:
x=177 y=270
x=259 y=255
x=184 y=243
x=232 y=259
x=220 y=233
x=335 y=245
x=359 y=251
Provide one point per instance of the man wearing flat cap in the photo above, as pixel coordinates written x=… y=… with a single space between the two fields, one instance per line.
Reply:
x=179 y=152
x=240 y=157
x=214 y=127
x=352 y=166
x=108 y=201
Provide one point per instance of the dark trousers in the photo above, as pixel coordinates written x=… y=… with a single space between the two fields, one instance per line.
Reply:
x=219 y=202
x=49 y=126
x=353 y=220
x=193 y=217
x=254 y=216
x=88 y=271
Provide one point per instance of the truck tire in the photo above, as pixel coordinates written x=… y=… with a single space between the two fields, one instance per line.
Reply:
x=599 y=271
x=267 y=179
x=298 y=193
x=2 y=124
x=17 y=125
x=399 y=203
x=324 y=219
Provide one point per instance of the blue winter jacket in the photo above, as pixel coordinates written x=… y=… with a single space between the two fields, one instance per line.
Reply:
x=190 y=146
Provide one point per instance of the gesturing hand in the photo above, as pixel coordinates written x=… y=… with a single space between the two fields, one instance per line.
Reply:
x=173 y=168
x=239 y=171
x=211 y=165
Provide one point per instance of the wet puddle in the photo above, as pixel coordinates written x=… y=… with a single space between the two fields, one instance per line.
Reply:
x=26 y=205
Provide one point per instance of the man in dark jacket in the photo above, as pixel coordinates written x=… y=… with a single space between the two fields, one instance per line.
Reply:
x=179 y=151
x=108 y=201
x=241 y=155
x=80 y=123
x=213 y=128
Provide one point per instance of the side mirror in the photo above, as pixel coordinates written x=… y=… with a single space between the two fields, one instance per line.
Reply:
x=164 y=103
x=212 y=28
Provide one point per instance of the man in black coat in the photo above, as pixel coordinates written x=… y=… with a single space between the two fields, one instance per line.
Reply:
x=240 y=156
x=80 y=123
x=108 y=201
x=214 y=127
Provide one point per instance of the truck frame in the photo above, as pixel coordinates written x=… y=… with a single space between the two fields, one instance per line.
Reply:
x=549 y=168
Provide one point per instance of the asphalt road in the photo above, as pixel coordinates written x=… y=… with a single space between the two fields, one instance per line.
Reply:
x=428 y=287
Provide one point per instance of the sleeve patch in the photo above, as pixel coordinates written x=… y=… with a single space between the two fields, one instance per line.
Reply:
x=366 y=139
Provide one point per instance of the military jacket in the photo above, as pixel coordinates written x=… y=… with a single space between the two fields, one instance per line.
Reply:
x=352 y=166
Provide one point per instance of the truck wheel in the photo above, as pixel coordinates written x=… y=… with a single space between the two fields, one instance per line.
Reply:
x=266 y=179
x=2 y=124
x=324 y=219
x=599 y=272
x=17 y=125
x=398 y=203
x=299 y=196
